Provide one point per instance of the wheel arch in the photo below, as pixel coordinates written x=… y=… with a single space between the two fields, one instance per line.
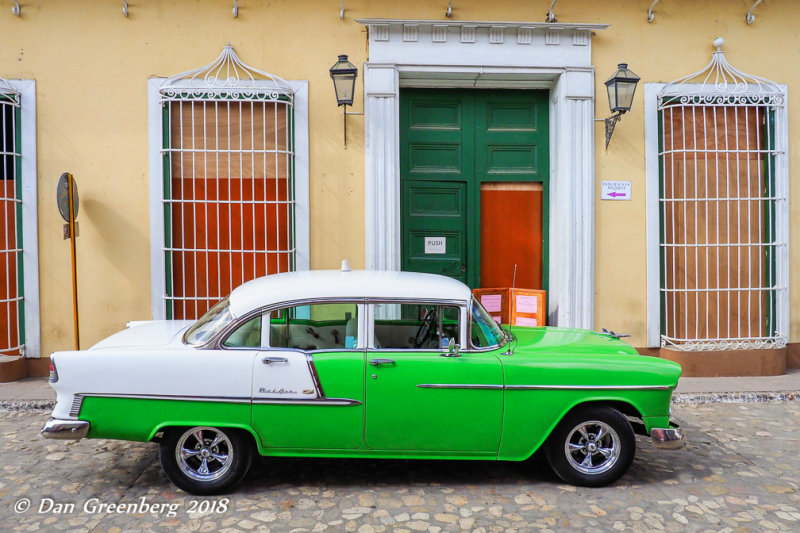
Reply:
x=626 y=408
x=157 y=432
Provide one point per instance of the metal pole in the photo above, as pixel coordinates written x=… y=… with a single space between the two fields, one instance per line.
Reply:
x=74 y=265
x=345 y=125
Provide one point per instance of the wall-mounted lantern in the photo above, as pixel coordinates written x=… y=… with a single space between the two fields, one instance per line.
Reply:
x=621 y=87
x=344 y=74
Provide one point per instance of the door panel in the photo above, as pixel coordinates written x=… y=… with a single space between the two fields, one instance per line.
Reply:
x=320 y=422
x=435 y=222
x=401 y=415
x=508 y=135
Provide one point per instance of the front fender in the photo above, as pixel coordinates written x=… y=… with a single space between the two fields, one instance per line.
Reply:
x=531 y=415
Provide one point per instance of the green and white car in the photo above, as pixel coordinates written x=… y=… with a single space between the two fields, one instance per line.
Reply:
x=366 y=364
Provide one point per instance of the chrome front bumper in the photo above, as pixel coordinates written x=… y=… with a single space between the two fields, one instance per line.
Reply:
x=670 y=438
x=57 y=428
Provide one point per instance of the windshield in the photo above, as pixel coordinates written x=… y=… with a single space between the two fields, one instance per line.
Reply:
x=209 y=324
x=484 y=331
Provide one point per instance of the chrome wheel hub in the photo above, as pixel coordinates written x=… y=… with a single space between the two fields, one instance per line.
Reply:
x=592 y=447
x=204 y=453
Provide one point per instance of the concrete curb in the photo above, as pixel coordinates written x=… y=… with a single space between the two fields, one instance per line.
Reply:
x=689 y=398
x=31 y=406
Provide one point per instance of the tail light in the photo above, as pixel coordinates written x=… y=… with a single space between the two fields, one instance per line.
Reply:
x=53 y=371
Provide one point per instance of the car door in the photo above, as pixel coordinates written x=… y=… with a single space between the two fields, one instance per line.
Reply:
x=423 y=398
x=308 y=376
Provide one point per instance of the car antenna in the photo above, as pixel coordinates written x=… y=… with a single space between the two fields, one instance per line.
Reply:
x=514 y=279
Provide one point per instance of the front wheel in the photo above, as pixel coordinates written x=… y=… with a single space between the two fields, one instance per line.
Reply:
x=205 y=460
x=592 y=447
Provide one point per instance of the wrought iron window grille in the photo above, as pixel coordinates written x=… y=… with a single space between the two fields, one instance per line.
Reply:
x=723 y=209
x=229 y=181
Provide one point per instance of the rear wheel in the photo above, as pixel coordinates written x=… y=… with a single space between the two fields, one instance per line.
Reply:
x=205 y=460
x=592 y=446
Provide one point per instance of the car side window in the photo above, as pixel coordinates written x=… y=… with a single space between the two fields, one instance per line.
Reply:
x=248 y=335
x=409 y=326
x=320 y=326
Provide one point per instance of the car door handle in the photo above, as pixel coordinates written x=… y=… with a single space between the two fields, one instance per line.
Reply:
x=270 y=360
x=376 y=362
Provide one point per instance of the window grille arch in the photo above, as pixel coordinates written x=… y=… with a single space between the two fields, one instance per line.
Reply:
x=718 y=239
x=228 y=189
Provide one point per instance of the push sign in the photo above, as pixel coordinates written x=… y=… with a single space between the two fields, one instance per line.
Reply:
x=435 y=245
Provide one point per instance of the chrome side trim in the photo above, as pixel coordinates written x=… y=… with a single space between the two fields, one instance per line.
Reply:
x=77 y=403
x=57 y=428
x=588 y=387
x=222 y=399
x=300 y=401
x=229 y=399
x=541 y=387
x=314 y=376
x=671 y=438
x=458 y=386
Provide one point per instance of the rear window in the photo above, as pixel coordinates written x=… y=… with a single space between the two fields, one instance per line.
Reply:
x=211 y=323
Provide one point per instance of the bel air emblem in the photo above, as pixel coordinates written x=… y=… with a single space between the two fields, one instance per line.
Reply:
x=276 y=391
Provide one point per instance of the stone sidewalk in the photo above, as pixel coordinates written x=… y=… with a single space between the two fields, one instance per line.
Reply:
x=738 y=473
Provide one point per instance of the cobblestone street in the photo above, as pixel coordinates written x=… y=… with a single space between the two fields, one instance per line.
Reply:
x=739 y=472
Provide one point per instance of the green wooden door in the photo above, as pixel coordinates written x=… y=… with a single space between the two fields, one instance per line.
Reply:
x=452 y=142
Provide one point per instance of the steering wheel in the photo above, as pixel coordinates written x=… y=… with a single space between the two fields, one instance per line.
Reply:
x=424 y=330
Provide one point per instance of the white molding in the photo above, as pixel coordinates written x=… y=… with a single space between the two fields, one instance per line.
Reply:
x=382 y=171
x=573 y=26
x=302 y=225
x=301 y=182
x=155 y=143
x=408 y=42
x=479 y=59
x=30 y=216
x=782 y=219
x=652 y=239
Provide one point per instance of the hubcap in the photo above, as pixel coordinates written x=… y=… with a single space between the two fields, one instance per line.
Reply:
x=592 y=447
x=204 y=453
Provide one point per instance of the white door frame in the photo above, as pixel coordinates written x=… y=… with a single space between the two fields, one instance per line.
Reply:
x=445 y=54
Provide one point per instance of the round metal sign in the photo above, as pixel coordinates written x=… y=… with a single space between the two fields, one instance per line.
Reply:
x=62 y=196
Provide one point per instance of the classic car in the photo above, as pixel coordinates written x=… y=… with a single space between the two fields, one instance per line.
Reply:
x=369 y=364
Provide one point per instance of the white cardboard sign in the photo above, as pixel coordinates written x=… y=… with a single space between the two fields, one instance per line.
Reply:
x=435 y=245
x=615 y=190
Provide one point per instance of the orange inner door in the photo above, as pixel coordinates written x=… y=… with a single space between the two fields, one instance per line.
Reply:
x=511 y=234
x=9 y=333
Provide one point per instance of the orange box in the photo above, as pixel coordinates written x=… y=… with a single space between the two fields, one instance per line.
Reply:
x=517 y=307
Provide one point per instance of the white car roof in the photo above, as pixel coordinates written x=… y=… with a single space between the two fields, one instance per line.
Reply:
x=307 y=284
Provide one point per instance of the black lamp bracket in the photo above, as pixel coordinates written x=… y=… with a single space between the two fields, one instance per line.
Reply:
x=610 y=123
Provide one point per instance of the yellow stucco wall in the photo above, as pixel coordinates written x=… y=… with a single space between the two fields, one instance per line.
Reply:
x=91 y=66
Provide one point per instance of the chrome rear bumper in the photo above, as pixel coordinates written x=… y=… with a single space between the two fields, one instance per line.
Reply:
x=57 y=428
x=670 y=438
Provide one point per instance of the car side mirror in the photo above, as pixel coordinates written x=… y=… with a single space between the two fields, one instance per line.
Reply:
x=453 y=349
